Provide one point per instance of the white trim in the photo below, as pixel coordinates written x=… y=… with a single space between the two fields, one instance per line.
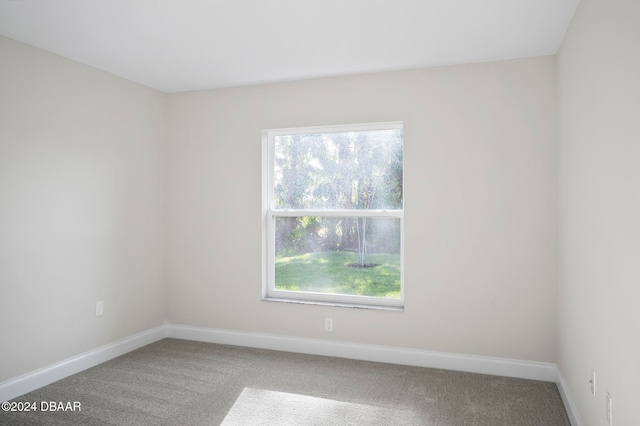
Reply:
x=270 y=213
x=415 y=357
x=29 y=382
x=335 y=304
x=572 y=411
x=267 y=249
x=343 y=300
x=420 y=358
x=336 y=128
x=337 y=213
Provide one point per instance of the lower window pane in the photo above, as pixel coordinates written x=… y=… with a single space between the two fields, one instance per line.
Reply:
x=338 y=255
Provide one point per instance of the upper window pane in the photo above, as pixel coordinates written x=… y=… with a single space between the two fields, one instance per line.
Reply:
x=339 y=170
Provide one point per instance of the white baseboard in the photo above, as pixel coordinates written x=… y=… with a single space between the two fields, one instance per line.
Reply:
x=44 y=376
x=403 y=356
x=420 y=358
x=569 y=405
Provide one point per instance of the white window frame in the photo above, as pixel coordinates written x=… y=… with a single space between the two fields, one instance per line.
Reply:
x=269 y=215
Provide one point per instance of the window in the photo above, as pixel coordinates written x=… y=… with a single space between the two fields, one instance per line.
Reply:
x=333 y=215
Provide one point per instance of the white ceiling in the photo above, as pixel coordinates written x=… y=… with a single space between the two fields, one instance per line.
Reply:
x=180 y=45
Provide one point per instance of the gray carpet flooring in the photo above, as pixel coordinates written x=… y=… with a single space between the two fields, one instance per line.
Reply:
x=179 y=382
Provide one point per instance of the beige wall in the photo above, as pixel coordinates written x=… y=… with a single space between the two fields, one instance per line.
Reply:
x=83 y=211
x=599 y=139
x=84 y=217
x=82 y=208
x=480 y=200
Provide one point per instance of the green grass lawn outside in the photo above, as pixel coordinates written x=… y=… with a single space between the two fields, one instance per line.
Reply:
x=328 y=272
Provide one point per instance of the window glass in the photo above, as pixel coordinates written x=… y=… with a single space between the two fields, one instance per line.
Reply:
x=334 y=214
x=343 y=170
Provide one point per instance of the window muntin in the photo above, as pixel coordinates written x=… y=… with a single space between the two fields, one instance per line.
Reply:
x=334 y=214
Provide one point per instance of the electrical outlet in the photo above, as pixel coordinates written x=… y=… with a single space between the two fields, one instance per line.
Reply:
x=99 y=308
x=328 y=324
x=593 y=382
x=609 y=409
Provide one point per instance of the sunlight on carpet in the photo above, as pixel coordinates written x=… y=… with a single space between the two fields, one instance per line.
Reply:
x=264 y=407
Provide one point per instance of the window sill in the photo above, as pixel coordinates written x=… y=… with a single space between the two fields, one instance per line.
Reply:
x=336 y=304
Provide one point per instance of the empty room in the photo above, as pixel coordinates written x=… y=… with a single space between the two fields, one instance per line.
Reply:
x=354 y=212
